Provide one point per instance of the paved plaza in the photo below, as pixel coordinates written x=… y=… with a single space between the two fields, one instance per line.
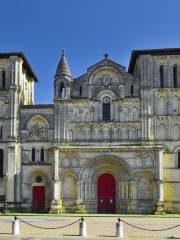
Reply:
x=97 y=228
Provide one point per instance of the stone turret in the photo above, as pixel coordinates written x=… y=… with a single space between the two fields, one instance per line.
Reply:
x=63 y=79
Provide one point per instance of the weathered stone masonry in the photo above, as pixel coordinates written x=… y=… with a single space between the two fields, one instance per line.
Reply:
x=107 y=122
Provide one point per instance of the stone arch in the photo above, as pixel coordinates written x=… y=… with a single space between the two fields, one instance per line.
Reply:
x=106 y=132
x=100 y=71
x=86 y=115
x=38 y=128
x=176 y=149
x=125 y=114
x=37 y=118
x=175 y=131
x=86 y=133
x=115 y=133
x=41 y=174
x=69 y=182
x=175 y=105
x=78 y=133
x=106 y=93
x=76 y=114
x=134 y=113
x=145 y=186
x=162 y=105
x=105 y=163
x=161 y=131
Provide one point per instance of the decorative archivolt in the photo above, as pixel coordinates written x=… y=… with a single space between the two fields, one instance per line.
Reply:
x=106 y=76
x=93 y=168
x=106 y=93
x=38 y=128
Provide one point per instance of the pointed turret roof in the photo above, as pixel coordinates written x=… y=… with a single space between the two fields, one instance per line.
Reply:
x=63 y=66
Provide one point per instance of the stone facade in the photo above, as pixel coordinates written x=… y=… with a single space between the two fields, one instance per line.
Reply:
x=107 y=121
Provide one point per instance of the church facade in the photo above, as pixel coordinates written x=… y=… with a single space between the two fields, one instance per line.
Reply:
x=109 y=143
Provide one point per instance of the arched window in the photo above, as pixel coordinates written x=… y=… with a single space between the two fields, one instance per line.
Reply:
x=80 y=91
x=132 y=90
x=3 y=79
x=1 y=132
x=42 y=155
x=175 y=76
x=1 y=162
x=106 y=109
x=161 y=74
x=178 y=163
x=62 y=91
x=33 y=155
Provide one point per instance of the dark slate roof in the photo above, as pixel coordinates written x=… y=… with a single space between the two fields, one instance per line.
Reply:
x=63 y=67
x=25 y=62
x=155 y=52
x=37 y=106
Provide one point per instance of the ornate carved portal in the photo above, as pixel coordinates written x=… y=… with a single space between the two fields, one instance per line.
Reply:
x=99 y=173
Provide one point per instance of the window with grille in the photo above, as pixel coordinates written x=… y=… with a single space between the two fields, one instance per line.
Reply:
x=1 y=162
x=161 y=74
x=175 y=76
x=178 y=163
x=33 y=155
x=106 y=109
x=42 y=155
x=3 y=79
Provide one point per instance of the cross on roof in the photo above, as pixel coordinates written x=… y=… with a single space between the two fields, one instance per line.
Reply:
x=106 y=55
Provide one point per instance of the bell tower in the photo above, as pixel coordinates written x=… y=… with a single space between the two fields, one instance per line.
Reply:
x=63 y=79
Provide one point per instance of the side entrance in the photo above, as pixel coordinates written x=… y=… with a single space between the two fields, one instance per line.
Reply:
x=38 y=194
x=106 y=193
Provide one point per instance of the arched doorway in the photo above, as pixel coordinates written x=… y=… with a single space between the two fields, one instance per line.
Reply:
x=38 y=195
x=106 y=193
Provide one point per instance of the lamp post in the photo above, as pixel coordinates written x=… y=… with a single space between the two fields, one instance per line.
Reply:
x=5 y=199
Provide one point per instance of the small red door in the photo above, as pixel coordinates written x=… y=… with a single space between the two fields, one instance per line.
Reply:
x=38 y=198
x=106 y=193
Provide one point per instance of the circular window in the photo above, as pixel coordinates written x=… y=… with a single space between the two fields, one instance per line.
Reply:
x=38 y=179
x=106 y=100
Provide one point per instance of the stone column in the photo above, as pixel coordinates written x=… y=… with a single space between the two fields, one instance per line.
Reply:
x=132 y=195
x=56 y=184
x=11 y=171
x=78 y=191
x=159 y=181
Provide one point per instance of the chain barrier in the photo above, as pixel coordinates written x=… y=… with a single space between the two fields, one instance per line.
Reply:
x=147 y=229
x=48 y=228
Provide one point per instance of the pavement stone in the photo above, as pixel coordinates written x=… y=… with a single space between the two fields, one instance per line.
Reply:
x=98 y=228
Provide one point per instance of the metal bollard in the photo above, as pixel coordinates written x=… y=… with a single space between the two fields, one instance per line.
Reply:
x=119 y=229
x=82 y=228
x=15 y=226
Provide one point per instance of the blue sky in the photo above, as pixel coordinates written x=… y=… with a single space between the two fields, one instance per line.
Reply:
x=86 y=29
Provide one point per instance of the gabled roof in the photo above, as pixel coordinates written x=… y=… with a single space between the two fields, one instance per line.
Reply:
x=155 y=52
x=26 y=64
x=105 y=61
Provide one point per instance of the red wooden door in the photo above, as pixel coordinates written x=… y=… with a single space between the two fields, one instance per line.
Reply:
x=106 y=193
x=38 y=198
